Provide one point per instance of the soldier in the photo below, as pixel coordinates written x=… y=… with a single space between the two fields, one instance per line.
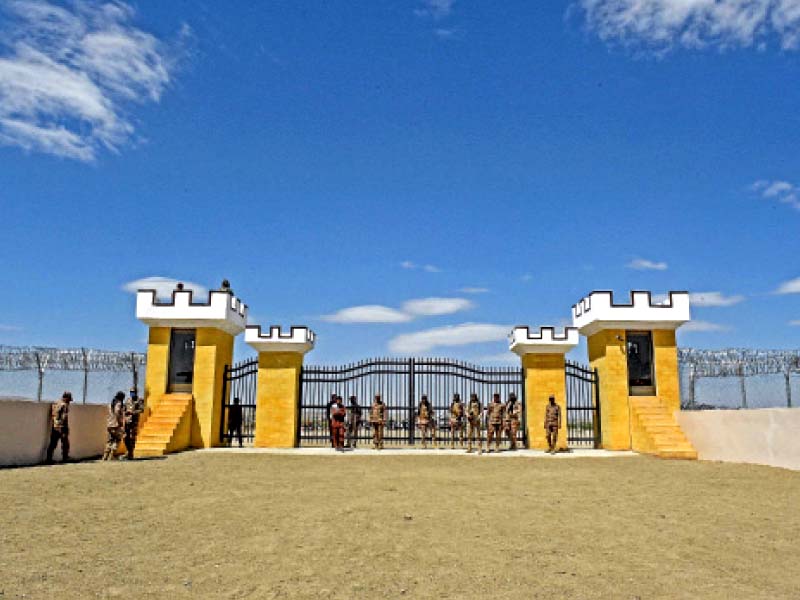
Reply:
x=338 y=414
x=513 y=416
x=426 y=422
x=328 y=412
x=59 y=428
x=552 y=423
x=133 y=408
x=494 y=419
x=377 y=420
x=456 y=420
x=474 y=416
x=114 y=426
x=235 y=422
x=353 y=421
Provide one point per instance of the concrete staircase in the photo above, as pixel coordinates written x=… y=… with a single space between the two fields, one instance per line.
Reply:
x=167 y=428
x=657 y=432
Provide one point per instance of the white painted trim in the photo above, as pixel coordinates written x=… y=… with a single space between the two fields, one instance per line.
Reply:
x=522 y=341
x=222 y=311
x=298 y=339
x=598 y=311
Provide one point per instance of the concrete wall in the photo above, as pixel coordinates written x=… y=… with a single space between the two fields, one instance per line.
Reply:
x=769 y=436
x=25 y=431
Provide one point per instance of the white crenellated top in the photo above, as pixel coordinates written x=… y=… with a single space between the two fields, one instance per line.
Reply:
x=299 y=339
x=222 y=310
x=522 y=341
x=598 y=311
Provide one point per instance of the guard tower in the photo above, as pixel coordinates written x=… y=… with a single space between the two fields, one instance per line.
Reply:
x=632 y=346
x=280 y=359
x=189 y=344
x=542 y=353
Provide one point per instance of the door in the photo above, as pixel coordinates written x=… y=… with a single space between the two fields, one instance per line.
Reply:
x=181 y=360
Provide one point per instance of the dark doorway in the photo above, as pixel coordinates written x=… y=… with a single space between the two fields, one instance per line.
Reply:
x=181 y=360
x=641 y=381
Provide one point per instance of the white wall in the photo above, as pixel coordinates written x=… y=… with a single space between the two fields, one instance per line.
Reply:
x=768 y=436
x=25 y=431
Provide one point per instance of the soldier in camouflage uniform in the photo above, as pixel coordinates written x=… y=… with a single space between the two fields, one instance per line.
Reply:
x=513 y=418
x=552 y=423
x=456 y=420
x=474 y=417
x=426 y=421
x=114 y=424
x=59 y=428
x=134 y=407
x=494 y=419
x=377 y=420
x=353 y=422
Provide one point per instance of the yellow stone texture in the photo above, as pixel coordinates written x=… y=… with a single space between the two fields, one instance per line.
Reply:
x=607 y=355
x=155 y=383
x=667 y=376
x=277 y=399
x=213 y=350
x=544 y=376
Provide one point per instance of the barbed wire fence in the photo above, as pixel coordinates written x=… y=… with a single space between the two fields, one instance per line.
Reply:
x=50 y=371
x=738 y=378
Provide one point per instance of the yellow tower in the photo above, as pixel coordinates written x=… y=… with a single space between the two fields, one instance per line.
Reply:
x=542 y=355
x=189 y=344
x=632 y=346
x=280 y=360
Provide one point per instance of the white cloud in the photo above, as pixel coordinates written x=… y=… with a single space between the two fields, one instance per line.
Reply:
x=526 y=277
x=661 y=25
x=368 y=313
x=451 y=335
x=438 y=9
x=795 y=323
x=67 y=72
x=504 y=358
x=714 y=299
x=780 y=191
x=695 y=326
x=431 y=269
x=9 y=327
x=163 y=286
x=436 y=306
x=642 y=264
x=789 y=287
x=474 y=290
x=407 y=264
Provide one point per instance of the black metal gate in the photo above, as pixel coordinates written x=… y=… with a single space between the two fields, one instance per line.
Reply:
x=583 y=406
x=239 y=383
x=401 y=382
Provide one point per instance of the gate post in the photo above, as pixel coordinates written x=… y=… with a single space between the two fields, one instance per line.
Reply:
x=280 y=362
x=632 y=346
x=543 y=361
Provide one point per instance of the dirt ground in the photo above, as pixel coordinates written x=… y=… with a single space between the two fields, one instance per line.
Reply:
x=204 y=525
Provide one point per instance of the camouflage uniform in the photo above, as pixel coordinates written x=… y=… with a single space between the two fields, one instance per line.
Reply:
x=426 y=422
x=513 y=417
x=134 y=407
x=59 y=427
x=552 y=423
x=377 y=420
x=113 y=428
x=353 y=421
x=474 y=416
x=456 y=420
x=495 y=422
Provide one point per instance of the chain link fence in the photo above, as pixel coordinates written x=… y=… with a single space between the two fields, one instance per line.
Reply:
x=739 y=378
x=43 y=374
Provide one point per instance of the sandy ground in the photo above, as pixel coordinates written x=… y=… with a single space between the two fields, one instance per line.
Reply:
x=227 y=525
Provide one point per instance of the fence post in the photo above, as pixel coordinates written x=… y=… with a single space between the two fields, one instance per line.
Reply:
x=411 y=398
x=40 y=370
x=85 y=372
x=135 y=372
x=692 y=380
x=788 y=376
x=743 y=385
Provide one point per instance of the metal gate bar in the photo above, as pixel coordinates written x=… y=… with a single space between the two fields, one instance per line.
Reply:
x=583 y=406
x=239 y=381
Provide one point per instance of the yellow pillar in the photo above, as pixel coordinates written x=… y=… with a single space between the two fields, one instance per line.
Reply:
x=278 y=399
x=607 y=355
x=213 y=350
x=544 y=377
x=155 y=381
x=665 y=351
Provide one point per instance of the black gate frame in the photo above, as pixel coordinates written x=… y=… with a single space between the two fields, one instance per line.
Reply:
x=239 y=381
x=405 y=380
x=583 y=405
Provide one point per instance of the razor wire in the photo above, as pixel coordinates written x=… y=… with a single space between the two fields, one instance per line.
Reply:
x=78 y=361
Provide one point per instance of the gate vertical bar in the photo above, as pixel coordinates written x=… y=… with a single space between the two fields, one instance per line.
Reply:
x=225 y=373
x=85 y=354
x=411 y=395
x=598 y=437
x=788 y=376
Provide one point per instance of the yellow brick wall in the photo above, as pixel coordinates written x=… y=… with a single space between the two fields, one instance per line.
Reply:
x=213 y=350
x=277 y=399
x=155 y=382
x=544 y=376
x=607 y=355
x=667 y=377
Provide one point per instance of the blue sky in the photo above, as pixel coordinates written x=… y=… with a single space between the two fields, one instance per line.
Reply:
x=325 y=157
